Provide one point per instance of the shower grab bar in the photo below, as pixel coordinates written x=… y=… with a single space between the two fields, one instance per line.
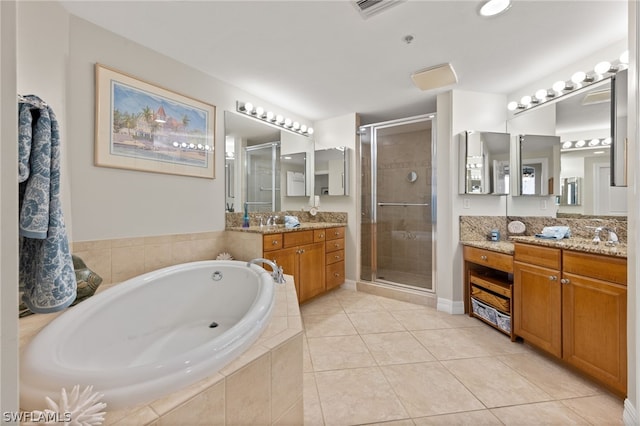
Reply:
x=258 y=202
x=262 y=188
x=402 y=204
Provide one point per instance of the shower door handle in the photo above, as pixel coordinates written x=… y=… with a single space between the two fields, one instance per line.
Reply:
x=402 y=204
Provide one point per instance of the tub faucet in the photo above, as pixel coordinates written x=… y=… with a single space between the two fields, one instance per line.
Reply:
x=277 y=274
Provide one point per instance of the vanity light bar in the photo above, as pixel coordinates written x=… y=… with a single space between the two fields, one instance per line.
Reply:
x=191 y=146
x=578 y=80
x=278 y=120
x=596 y=143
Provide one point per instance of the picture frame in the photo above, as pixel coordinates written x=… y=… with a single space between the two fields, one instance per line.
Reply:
x=145 y=127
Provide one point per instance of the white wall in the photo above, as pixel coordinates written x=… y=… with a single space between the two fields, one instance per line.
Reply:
x=459 y=111
x=331 y=133
x=8 y=211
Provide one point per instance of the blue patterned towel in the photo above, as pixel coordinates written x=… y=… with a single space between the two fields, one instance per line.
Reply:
x=47 y=278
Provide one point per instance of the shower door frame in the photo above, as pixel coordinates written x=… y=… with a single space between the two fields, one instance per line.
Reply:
x=274 y=169
x=373 y=216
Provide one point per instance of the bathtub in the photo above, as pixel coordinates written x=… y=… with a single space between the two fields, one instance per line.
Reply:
x=151 y=335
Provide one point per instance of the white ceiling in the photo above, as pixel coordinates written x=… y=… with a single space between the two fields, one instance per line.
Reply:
x=321 y=59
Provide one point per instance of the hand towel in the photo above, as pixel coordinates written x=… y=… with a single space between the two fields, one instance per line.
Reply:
x=555 y=232
x=47 y=278
x=291 y=222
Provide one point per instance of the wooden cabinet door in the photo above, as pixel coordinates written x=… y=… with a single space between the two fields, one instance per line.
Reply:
x=287 y=259
x=311 y=271
x=537 y=307
x=595 y=328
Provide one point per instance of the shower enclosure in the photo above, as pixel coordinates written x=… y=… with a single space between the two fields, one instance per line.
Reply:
x=398 y=202
x=262 y=165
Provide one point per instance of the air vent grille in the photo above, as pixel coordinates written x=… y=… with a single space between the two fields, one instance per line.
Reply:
x=597 y=97
x=369 y=8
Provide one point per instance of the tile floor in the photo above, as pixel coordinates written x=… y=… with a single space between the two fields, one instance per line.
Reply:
x=370 y=360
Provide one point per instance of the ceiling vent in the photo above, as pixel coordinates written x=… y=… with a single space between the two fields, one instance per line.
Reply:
x=597 y=97
x=368 y=8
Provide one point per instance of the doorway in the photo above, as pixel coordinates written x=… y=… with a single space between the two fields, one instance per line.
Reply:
x=398 y=202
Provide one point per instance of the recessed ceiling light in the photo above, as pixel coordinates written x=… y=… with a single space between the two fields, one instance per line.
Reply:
x=494 y=7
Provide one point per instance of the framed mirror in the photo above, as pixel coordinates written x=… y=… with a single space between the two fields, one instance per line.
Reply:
x=484 y=164
x=331 y=171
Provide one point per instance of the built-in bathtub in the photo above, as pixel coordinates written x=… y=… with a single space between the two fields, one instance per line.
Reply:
x=151 y=335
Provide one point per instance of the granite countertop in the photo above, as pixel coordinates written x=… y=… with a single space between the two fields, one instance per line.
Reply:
x=578 y=244
x=281 y=228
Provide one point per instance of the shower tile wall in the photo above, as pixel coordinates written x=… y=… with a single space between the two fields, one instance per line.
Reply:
x=402 y=231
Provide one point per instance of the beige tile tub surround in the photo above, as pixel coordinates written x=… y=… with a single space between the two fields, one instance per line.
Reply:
x=263 y=386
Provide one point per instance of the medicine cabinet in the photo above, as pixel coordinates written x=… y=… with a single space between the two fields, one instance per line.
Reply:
x=484 y=163
x=331 y=171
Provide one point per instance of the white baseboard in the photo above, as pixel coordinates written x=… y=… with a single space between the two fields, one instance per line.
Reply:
x=349 y=285
x=630 y=415
x=450 y=306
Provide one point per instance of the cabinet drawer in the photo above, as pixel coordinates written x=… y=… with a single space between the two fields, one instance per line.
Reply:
x=490 y=283
x=319 y=235
x=335 y=256
x=297 y=238
x=335 y=233
x=334 y=245
x=335 y=274
x=607 y=268
x=500 y=303
x=546 y=257
x=271 y=242
x=492 y=259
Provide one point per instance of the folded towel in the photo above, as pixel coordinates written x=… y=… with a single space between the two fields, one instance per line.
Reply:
x=47 y=277
x=555 y=232
x=291 y=222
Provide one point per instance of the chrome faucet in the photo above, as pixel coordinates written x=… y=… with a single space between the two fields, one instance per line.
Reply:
x=271 y=220
x=277 y=273
x=612 y=239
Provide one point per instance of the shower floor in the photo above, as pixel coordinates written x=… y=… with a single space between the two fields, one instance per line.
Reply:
x=403 y=278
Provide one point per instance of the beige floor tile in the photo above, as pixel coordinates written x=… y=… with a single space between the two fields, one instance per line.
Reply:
x=307 y=365
x=460 y=320
x=336 y=352
x=374 y=322
x=496 y=342
x=598 y=410
x=427 y=389
x=325 y=305
x=357 y=396
x=393 y=305
x=451 y=343
x=312 y=409
x=543 y=413
x=550 y=376
x=328 y=325
x=468 y=418
x=420 y=319
x=396 y=348
x=405 y=422
x=359 y=302
x=494 y=383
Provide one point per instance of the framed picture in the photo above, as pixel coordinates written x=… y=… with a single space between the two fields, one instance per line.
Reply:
x=140 y=126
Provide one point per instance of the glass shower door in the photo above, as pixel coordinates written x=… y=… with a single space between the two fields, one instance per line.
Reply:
x=398 y=229
x=263 y=177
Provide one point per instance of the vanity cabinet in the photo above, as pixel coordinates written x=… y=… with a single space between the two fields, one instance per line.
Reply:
x=315 y=258
x=488 y=280
x=573 y=305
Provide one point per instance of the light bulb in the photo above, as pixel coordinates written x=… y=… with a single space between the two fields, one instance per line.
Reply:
x=310 y=131
x=494 y=7
x=525 y=100
x=259 y=111
x=296 y=125
x=594 y=142
x=248 y=107
x=176 y=144
x=541 y=94
x=303 y=128
x=580 y=143
x=191 y=145
x=287 y=122
x=270 y=115
x=567 y=145
x=578 y=77
x=606 y=141
x=512 y=106
x=279 y=119
x=183 y=144
x=602 y=67
x=624 y=57
x=200 y=146
x=559 y=86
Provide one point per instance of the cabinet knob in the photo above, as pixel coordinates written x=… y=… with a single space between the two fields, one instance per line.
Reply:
x=483 y=257
x=321 y=235
x=553 y=278
x=335 y=274
x=336 y=245
x=274 y=242
x=337 y=233
x=565 y=281
x=337 y=257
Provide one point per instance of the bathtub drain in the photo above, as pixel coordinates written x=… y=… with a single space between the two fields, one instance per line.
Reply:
x=213 y=325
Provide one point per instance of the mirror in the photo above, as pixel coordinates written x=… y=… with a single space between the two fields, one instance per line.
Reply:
x=579 y=119
x=331 y=171
x=538 y=170
x=484 y=163
x=570 y=191
x=264 y=166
